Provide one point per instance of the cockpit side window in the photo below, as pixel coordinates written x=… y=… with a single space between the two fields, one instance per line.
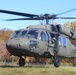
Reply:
x=23 y=33
x=43 y=36
x=15 y=34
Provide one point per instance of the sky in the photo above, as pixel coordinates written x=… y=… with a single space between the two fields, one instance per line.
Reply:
x=34 y=7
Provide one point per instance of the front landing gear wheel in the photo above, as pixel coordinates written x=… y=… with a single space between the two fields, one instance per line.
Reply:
x=21 y=61
x=56 y=62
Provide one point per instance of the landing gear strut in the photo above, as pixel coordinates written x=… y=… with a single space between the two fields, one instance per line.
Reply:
x=21 y=61
x=56 y=60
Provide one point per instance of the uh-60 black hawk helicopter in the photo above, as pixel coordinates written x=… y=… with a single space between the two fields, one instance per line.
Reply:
x=49 y=41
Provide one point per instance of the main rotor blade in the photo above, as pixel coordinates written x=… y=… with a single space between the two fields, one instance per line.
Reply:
x=39 y=18
x=18 y=13
x=23 y=19
x=65 y=18
x=66 y=11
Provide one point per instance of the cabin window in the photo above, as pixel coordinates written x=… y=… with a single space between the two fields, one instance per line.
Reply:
x=23 y=33
x=32 y=34
x=43 y=36
x=64 y=42
x=60 y=41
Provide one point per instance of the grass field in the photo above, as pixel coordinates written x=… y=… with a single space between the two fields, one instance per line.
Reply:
x=37 y=70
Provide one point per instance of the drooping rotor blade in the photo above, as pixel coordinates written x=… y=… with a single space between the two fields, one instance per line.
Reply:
x=24 y=19
x=66 y=11
x=18 y=13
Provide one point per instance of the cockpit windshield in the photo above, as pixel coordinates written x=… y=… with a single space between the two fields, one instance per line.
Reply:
x=23 y=33
x=15 y=34
x=32 y=34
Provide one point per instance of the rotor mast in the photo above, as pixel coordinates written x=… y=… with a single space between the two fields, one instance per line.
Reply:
x=46 y=17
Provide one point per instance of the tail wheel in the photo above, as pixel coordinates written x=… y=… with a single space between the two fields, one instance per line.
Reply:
x=21 y=61
x=57 y=62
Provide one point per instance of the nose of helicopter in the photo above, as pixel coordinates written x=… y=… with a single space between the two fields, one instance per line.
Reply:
x=17 y=44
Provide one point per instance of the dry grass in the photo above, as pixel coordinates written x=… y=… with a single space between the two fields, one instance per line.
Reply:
x=37 y=70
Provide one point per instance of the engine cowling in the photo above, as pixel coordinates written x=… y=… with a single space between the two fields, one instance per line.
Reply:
x=63 y=30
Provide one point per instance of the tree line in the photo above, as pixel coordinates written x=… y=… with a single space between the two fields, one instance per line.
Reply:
x=5 y=34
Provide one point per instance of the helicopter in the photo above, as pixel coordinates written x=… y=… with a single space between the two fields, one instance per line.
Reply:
x=44 y=40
